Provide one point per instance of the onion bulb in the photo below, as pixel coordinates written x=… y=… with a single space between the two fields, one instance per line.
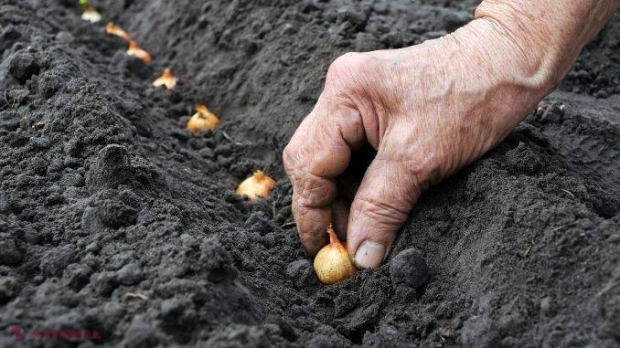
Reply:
x=257 y=186
x=166 y=79
x=202 y=120
x=114 y=29
x=333 y=264
x=90 y=14
x=136 y=51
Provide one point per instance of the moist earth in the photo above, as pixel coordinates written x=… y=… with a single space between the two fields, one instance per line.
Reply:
x=115 y=218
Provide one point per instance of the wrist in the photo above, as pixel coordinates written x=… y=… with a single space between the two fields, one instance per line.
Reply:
x=482 y=58
x=545 y=36
x=532 y=66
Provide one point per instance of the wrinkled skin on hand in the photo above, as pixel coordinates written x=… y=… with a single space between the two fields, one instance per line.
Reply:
x=426 y=110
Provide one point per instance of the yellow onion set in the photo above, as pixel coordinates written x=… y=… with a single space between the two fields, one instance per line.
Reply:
x=332 y=263
x=256 y=186
x=202 y=120
x=166 y=79
x=90 y=13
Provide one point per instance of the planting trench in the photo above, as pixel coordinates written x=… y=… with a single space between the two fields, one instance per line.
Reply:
x=115 y=218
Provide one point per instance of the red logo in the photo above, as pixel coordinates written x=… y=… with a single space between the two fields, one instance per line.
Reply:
x=17 y=333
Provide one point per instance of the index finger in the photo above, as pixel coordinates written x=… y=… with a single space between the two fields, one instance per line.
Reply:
x=318 y=152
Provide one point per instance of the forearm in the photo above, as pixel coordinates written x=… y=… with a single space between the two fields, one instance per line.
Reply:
x=506 y=60
x=547 y=34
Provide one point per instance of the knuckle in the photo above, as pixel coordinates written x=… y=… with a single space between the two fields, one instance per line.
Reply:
x=312 y=235
x=315 y=191
x=347 y=65
x=386 y=213
x=421 y=166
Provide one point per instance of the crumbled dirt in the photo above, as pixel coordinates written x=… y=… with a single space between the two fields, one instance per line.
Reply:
x=115 y=218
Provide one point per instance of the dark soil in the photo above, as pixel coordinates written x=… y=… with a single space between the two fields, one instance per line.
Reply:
x=116 y=219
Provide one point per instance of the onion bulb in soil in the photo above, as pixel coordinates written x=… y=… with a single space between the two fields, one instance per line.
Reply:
x=166 y=79
x=114 y=29
x=136 y=51
x=333 y=264
x=203 y=120
x=90 y=14
x=257 y=186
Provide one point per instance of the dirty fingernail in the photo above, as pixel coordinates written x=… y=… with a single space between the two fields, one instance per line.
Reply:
x=369 y=255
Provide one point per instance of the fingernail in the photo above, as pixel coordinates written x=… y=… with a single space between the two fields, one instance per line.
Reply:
x=369 y=255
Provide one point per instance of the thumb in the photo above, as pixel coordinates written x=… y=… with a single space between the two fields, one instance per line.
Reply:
x=381 y=206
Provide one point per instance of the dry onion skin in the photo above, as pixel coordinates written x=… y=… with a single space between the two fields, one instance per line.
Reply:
x=257 y=186
x=90 y=14
x=166 y=79
x=202 y=120
x=115 y=30
x=333 y=264
x=136 y=51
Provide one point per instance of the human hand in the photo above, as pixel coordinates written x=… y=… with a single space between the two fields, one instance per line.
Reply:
x=427 y=110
